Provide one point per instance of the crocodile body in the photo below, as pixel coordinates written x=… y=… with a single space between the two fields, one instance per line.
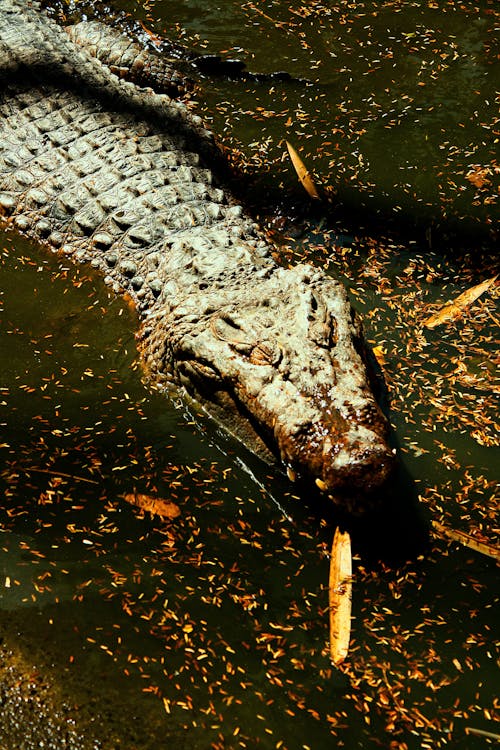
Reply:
x=129 y=180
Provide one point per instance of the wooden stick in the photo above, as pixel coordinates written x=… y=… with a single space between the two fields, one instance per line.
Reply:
x=467 y=540
x=340 y=593
x=61 y=474
x=482 y=733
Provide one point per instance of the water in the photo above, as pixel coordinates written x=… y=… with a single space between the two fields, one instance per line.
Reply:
x=403 y=109
x=210 y=630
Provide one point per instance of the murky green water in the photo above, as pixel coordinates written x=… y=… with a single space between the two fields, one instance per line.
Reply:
x=403 y=112
x=211 y=630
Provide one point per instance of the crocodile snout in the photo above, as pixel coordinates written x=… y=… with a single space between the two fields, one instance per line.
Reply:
x=351 y=458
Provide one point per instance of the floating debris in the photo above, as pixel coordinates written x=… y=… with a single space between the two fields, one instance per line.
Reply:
x=467 y=540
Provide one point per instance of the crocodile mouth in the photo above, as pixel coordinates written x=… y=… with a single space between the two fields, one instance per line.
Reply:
x=337 y=453
x=354 y=459
x=205 y=384
x=344 y=447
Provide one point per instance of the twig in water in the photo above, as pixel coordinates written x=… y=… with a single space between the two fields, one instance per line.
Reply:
x=61 y=474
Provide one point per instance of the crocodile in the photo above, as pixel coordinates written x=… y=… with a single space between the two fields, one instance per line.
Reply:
x=111 y=172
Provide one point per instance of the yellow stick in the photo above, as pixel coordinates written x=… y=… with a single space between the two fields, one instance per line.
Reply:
x=340 y=593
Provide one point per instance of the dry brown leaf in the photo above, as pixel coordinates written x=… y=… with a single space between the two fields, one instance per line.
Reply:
x=340 y=592
x=467 y=540
x=479 y=176
x=380 y=353
x=155 y=505
x=302 y=172
x=155 y=39
x=454 y=309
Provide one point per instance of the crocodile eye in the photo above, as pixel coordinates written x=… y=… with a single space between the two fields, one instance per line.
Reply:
x=227 y=329
x=258 y=352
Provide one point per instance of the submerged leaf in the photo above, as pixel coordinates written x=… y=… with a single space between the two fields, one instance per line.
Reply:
x=302 y=172
x=155 y=505
x=340 y=592
x=454 y=309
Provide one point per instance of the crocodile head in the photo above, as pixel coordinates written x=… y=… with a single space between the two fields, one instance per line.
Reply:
x=281 y=360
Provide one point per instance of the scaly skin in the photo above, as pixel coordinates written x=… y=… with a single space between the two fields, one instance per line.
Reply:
x=127 y=60
x=107 y=172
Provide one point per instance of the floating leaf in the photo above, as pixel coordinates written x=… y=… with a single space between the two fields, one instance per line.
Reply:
x=454 y=309
x=467 y=540
x=155 y=505
x=340 y=592
x=380 y=353
x=302 y=172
